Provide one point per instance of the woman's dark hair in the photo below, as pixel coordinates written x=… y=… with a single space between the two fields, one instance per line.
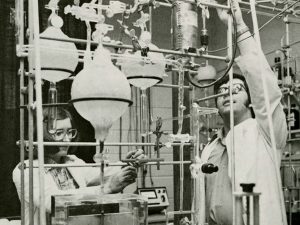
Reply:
x=61 y=114
x=225 y=79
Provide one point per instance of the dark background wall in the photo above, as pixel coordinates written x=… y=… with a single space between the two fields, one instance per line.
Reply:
x=9 y=114
x=9 y=99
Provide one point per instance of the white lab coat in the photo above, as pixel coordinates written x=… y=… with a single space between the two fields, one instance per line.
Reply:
x=82 y=175
x=254 y=156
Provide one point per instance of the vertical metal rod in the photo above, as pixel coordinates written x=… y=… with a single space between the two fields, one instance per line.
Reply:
x=248 y=209
x=181 y=106
x=137 y=119
x=120 y=137
x=101 y=152
x=256 y=210
x=31 y=149
x=288 y=79
x=143 y=113
x=151 y=21
x=20 y=18
x=137 y=129
x=143 y=119
x=30 y=119
x=150 y=93
x=238 y=202
x=290 y=153
x=287 y=43
x=270 y=122
x=181 y=176
x=180 y=124
x=39 y=113
x=199 y=183
x=232 y=169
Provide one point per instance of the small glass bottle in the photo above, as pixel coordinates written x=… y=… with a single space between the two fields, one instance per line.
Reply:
x=295 y=115
x=277 y=69
x=52 y=111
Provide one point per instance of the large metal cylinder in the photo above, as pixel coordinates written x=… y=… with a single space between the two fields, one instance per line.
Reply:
x=184 y=25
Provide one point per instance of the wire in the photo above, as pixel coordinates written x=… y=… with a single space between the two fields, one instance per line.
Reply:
x=293 y=43
x=230 y=63
x=265 y=24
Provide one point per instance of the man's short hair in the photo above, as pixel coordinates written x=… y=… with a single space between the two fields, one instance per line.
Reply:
x=225 y=79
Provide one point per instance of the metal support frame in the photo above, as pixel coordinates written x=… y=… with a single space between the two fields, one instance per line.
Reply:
x=34 y=42
x=35 y=79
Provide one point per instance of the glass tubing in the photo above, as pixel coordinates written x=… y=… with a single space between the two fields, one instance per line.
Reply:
x=34 y=26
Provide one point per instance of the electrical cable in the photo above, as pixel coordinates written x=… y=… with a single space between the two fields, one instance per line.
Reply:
x=230 y=63
x=265 y=24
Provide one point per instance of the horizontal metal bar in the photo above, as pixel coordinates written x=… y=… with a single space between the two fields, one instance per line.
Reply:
x=264 y=7
x=179 y=212
x=109 y=164
x=205 y=3
x=105 y=144
x=273 y=9
x=143 y=160
x=289 y=164
x=210 y=97
x=165 y=51
x=47 y=105
x=171 y=86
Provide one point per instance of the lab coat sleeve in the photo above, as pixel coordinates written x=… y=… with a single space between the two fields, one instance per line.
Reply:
x=91 y=175
x=253 y=65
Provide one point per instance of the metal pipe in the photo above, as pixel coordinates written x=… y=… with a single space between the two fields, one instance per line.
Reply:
x=39 y=113
x=181 y=176
x=289 y=82
x=30 y=150
x=273 y=9
x=262 y=6
x=45 y=105
x=171 y=86
x=143 y=131
x=269 y=116
x=30 y=121
x=165 y=51
x=229 y=53
x=205 y=3
x=19 y=5
x=109 y=164
x=180 y=212
x=199 y=183
x=106 y=144
x=210 y=97
x=143 y=160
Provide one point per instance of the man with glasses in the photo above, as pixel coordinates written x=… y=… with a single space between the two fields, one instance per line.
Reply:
x=70 y=180
x=253 y=154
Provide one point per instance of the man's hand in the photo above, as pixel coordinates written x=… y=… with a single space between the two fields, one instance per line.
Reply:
x=138 y=155
x=223 y=14
x=121 y=179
